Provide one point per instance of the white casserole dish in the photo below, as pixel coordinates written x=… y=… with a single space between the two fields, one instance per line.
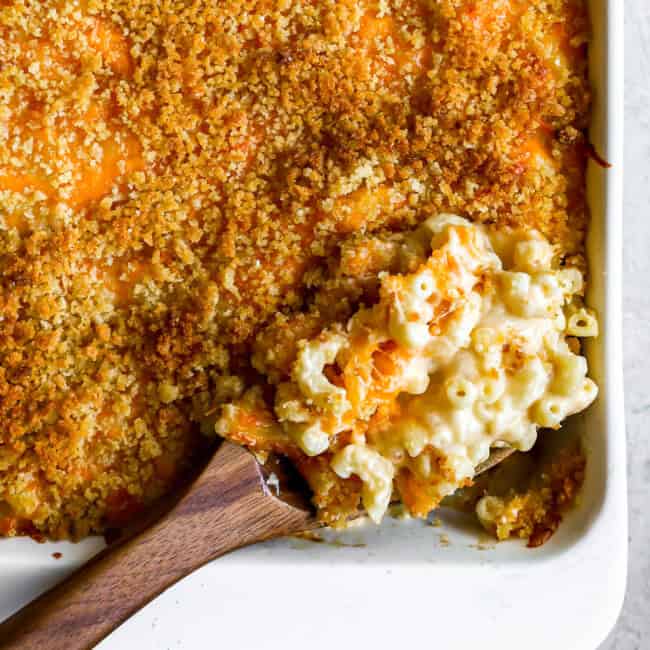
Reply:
x=400 y=584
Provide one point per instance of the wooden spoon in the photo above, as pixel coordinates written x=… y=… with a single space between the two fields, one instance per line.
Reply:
x=497 y=455
x=228 y=506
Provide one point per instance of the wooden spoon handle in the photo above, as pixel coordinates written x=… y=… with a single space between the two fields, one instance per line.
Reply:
x=226 y=508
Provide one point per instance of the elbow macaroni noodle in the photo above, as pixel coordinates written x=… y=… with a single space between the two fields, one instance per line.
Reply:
x=467 y=352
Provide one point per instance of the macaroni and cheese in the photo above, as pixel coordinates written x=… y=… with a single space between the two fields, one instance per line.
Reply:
x=236 y=212
x=473 y=349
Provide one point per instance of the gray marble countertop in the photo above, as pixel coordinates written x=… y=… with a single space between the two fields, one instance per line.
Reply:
x=632 y=631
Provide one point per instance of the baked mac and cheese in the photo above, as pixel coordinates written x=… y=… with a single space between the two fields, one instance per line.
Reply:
x=236 y=214
x=470 y=350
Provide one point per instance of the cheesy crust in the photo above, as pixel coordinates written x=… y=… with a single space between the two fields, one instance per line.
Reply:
x=190 y=189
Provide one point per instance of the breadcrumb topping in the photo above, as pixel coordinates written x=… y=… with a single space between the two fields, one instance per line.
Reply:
x=189 y=188
x=534 y=513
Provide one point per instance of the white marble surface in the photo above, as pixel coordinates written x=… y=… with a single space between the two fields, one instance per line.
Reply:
x=633 y=629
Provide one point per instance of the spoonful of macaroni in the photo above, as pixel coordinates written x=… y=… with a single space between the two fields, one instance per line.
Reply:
x=471 y=346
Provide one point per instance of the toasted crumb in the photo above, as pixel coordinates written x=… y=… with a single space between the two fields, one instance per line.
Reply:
x=177 y=179
x=535 y=513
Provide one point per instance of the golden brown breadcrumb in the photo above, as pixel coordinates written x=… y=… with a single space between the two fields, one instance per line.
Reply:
x=535 y=512
x=186 y=187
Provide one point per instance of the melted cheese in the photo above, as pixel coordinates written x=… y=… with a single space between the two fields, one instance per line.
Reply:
x=471 y=349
